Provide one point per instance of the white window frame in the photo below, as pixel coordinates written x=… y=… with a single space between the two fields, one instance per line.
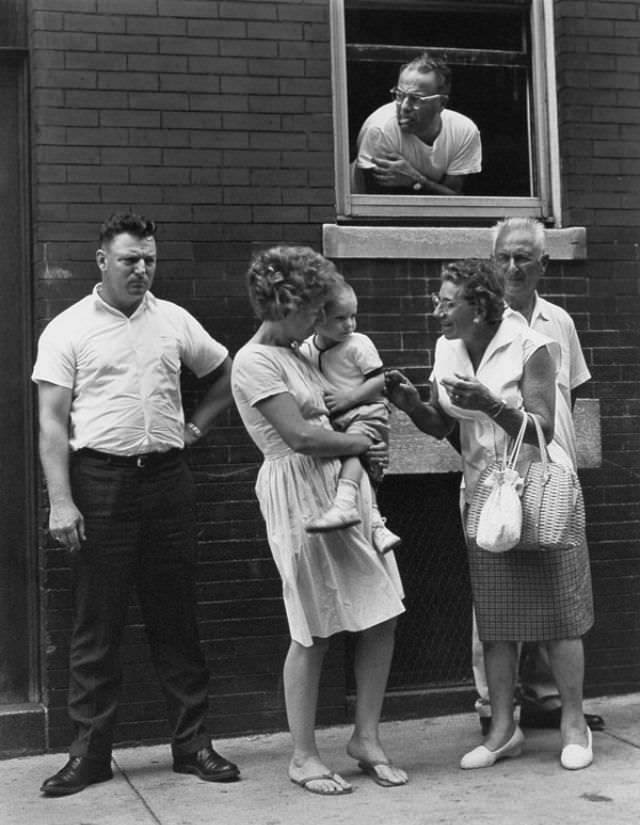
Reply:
x=544 y=143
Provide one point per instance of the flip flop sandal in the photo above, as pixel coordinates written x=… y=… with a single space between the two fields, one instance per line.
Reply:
x=304 y=783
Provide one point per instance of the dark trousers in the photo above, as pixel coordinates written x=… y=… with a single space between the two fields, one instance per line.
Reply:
x=140 y=526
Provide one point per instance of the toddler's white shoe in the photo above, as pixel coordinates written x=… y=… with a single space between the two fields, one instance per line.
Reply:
x=335 y=518
x=383 y=539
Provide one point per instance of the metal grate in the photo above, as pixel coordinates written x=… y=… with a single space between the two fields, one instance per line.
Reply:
x=433 y=641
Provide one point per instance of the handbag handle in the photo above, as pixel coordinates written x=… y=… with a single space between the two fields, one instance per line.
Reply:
x=517 y=444
x=542 y=444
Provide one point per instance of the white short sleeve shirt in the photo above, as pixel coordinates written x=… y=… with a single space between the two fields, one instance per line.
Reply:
x=456 y=151
x=124 y=371
x=347 y=364
x=556 y=323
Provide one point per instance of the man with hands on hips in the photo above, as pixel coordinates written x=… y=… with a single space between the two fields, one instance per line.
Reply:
x=415 y=145
x=112 y=438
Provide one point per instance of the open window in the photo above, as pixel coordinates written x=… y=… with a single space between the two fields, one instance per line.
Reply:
x=503 y=77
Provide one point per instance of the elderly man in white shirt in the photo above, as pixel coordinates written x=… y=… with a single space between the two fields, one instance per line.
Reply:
x=521 y=259
x=112 y=435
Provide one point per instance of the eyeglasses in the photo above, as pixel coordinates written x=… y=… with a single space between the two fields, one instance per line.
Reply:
x=443 y=304
x=503 y=260
x=414 y=101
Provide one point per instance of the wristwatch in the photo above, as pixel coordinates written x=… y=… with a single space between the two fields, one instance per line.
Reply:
x=418 y=185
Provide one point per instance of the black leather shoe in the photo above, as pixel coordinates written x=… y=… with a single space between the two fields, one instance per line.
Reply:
x=531 y=716
x=76 y=775
x=208 y=765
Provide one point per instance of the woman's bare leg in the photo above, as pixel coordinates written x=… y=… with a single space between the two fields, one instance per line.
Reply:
x=501 y=665
x=374 y=650
x=567 y=666
x=302 y=669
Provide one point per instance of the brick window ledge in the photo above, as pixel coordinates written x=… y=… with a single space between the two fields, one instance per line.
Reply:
x=411 y=451
x=437 y=242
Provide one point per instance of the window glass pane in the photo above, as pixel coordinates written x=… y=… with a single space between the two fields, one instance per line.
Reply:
x=414 y=27
x=489 y=55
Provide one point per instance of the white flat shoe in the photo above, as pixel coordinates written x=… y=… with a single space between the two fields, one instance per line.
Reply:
x=482 y=757
x=383 y=539
x=576 y=757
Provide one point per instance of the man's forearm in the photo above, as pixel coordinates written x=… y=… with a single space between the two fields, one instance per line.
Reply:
x=217 y=399
x=54 y=456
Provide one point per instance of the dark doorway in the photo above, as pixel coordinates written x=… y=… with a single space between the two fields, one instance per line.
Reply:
x=17 y=579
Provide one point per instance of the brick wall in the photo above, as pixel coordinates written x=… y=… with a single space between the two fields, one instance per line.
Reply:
x=598 y=64
x=214 y=118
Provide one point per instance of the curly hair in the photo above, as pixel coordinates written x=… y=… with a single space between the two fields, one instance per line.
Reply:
x=285 y=278
x=480 y=285
x=129 y=222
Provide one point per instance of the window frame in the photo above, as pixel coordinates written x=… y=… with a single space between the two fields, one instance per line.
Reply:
x=544 y=145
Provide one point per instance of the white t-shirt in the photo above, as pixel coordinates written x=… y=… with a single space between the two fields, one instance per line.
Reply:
x=347 y=364
x=456 y=151
x=125 y=371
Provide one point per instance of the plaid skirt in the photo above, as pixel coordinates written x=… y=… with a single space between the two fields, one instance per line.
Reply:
x=531 y=595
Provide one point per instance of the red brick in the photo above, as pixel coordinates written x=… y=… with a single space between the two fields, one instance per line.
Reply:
x=167 y=26
x=47 y=21
x=612 y=10
x=64 y=41
x=96 y=100
x=188 y=8
x=128 y=80
x=217 y=66
x=274 y=31
x=94 y=23
x=248 y=11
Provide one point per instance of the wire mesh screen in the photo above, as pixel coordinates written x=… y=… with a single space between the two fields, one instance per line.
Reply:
x=433 y=640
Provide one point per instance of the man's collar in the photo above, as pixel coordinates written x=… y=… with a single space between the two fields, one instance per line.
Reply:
x=536 y=312
x=148 y=301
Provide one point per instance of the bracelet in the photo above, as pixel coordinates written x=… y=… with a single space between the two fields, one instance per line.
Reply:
x=503 y=404
x=193 y=428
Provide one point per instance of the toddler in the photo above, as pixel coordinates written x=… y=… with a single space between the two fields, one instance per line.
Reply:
x=352 y=367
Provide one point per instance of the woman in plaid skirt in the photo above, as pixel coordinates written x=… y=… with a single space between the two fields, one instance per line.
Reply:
x=488 y=370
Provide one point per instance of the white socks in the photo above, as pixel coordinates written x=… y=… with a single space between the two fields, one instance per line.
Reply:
x=346 y=494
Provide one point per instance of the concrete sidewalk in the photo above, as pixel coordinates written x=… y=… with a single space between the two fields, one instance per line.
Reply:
x=531 y=790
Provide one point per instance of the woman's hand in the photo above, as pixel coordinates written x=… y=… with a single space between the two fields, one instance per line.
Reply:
x=466 y=392
x=400 y=391
x=378 y=455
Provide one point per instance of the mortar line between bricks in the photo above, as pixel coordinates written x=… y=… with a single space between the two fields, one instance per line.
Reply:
x=146 y=805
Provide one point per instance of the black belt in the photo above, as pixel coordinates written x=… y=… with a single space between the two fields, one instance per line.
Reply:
x=141 y=461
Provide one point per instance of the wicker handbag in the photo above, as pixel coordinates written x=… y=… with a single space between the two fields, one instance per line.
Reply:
x=552 y=504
